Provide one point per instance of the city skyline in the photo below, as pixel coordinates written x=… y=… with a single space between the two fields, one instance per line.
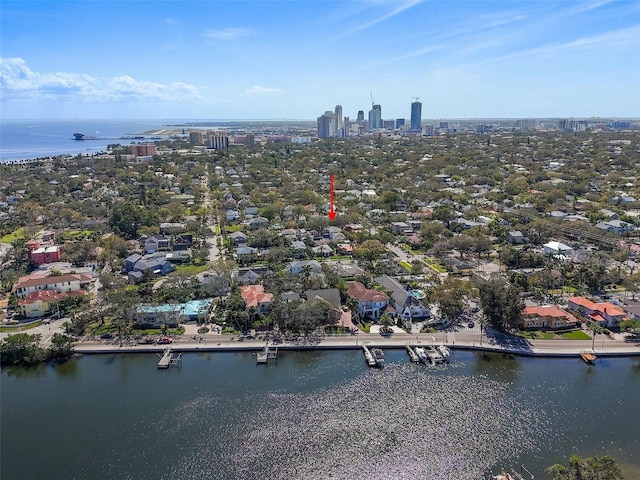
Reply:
x=274 y=60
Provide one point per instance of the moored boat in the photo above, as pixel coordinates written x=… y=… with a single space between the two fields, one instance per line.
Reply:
x=422 y=355
x=444 y=351
x=378 y=356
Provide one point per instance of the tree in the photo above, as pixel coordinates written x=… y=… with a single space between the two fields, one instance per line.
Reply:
x=587 y=468
x=21 y=349
x=450 y=298
x=61 y=347
x=127 y=218
x=501 y=303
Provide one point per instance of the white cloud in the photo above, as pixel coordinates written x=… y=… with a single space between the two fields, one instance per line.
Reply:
x=258 y=90
x=19 y=82
x=396 y=11
x=228 y=33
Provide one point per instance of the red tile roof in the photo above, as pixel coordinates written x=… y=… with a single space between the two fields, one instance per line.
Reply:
x=361 y=293
x=254 y=295
x=605 y=307
x=548 y=311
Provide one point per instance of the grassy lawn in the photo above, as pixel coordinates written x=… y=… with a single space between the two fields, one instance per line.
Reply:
x=539 y=335
x=192 y=269
x=20 y=328
x=406 y=266
x=576 y=335
x=11 y=237
x=233 y=228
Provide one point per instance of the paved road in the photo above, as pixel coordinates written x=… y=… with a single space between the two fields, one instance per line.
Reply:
x=468 y=341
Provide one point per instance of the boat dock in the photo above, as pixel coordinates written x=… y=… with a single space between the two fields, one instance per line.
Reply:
x=412 y=354
x=588 y=357
x=371 y=361
x=168 y=359
x=269 y=353
x=434 y=355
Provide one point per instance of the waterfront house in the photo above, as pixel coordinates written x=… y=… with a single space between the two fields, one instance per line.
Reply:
x=38 y=304
x=604 y=313
x=371 y=303
x=548 y=316
x=60 y=283
x=405 y=304
x=255 y=296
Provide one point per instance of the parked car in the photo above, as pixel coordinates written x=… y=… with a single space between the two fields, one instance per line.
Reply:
x=165 y=340
x=471 y=324
x=106 y=336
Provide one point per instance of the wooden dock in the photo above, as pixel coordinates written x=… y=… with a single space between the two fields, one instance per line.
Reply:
x=588 y=357
x=371 y=361
x=168 y=359
x=412 y=354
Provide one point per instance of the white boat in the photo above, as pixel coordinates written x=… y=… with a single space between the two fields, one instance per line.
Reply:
x=378 y=356
x=444 y=351
x=422 y=355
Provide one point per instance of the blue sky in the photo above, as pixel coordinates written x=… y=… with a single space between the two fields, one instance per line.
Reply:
x=296 y=59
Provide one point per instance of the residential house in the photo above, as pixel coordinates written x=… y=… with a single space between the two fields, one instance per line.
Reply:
x=371 y=303
x=297 y=267
x=405 y=304
x=299 y=248
x=130 y=262
x=255 y=296
x=246 y=253
x=258 y=222
x=604 y=313
x=401 y=228
x=458 y=266
x=329 y=295
x=548 y=316
x=38 y=304
x=323 y=251
x=232 y=215
x=618 y=227
x=157 y=264
x=45 y=254
x=156 y=316
x=61 y=283
x=238 y=238
x=556 y=249
x=156 y=243
x=516 y=237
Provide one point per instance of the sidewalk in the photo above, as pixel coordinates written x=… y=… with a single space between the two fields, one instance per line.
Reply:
x=217 y=342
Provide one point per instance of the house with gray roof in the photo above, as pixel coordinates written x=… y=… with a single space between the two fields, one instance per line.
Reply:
x=406 y=305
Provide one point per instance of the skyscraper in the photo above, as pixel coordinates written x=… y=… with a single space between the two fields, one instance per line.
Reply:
x=326 y=125
x=416 y=115
x=375 y=117
x=339 y=126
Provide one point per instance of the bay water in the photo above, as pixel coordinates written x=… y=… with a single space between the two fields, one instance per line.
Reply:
x=314 y=415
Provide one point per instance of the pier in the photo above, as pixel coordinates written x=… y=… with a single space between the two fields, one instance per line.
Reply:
x=168 y=359
x=412 y=355
x=269 y=353
x=371 y=361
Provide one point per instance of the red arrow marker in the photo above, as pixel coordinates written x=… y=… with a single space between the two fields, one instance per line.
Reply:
x=332 y=188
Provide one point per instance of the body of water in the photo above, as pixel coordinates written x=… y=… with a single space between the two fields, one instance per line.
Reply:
x=314 y=415
x=28 y=139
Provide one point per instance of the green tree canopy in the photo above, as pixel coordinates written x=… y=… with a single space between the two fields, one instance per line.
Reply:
x=586 y=468
x=127 y=218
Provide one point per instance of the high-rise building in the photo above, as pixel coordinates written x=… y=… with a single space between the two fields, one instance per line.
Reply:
x=399 y=122
x=195 y=137
x=338 y=121
x=217 y=140
x=347 y=127
x=375 y=117
x=360 y=117
x=416 y=115
x=327 y=125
